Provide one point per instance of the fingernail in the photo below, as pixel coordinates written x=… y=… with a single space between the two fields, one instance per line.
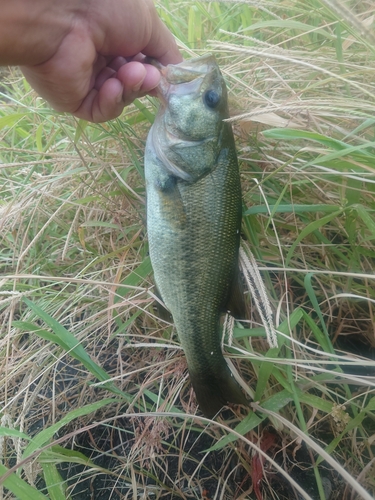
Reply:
x=137 y=87
x=119 y=99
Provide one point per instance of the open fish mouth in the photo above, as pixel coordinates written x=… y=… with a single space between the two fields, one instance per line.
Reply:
x=190 y=73
x=187 y=71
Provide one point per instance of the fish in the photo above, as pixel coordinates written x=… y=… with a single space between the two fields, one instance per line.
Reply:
x=194 y=211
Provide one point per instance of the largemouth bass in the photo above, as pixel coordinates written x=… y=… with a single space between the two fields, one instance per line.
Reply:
x=194 y=218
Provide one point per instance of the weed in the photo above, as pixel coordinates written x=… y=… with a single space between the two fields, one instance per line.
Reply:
x=95 y=397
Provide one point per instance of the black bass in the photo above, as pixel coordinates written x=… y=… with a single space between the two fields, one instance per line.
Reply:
x=194 y=218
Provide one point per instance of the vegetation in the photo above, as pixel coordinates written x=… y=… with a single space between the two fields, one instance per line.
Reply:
x=95 y=400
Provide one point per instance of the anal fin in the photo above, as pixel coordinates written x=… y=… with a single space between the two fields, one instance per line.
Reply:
x=161 y=311
x=236 y=304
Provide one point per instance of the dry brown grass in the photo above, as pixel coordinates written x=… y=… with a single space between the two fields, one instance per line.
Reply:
x=73 y=241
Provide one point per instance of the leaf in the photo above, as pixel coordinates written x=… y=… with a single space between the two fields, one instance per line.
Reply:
x=6 y=432
x=146 y=113
x=363 y=214
x=44 y=436
x=39 y=138
x=340 y=148
x=82 y=124
x=240 y=333
x=314 y=401
x=354 y=423
x=290 y=322
x=121 y=327
x=69 y=343
x=323 y=339
x=98 y=223
x=44 y=334
x=55 y=484
x=158 y=400
x=265 y=371
x=266 y=367
x=19 y=487
x=310 y=228
x=136 y=276
x=287 y=134
x=10 y=119
x=252 y=420
x=58 y=453
x=291 y=208
x=289 y=24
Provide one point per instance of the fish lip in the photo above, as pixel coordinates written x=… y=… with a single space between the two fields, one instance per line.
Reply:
x=190 y=73
x=197 y=66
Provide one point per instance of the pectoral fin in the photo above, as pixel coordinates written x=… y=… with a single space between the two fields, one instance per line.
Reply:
x=173 y=209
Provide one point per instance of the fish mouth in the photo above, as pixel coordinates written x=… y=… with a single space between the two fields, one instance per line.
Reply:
x=187 y=71
x=185 y=77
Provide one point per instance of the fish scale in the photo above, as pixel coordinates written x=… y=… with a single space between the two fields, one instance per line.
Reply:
x=193 y=220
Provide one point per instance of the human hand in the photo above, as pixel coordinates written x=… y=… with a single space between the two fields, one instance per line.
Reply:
x=91 y=63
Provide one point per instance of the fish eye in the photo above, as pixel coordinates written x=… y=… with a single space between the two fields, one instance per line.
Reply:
x=211 y=98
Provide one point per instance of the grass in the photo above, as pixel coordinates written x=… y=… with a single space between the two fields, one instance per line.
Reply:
x=94 y=389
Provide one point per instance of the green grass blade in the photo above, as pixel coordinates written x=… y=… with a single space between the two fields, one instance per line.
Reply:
x=59 y=454
x=66 y=340
x=19 y=487
x=288 y=24
x=354 y=423
x=81 y=126
x=150 y=117
x=56 y=486
x=364 y=215
x=240 y=333
x=310 y=228
x=9 y=120
x=44 y=436
x=293 y=134
x=323 y=340
x=267 y=367
x=157 y=399
x=26 y=326
x=6 y=432
x=252 y=420
x=134 y=278
x=291 y=208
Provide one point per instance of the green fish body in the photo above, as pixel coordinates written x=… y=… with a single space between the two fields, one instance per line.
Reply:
x=194 y=218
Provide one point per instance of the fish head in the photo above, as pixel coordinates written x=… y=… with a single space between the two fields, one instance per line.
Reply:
x=189 y=123
x=195 y=98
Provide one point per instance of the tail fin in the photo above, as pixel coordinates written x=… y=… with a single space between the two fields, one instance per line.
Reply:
x=215 y=390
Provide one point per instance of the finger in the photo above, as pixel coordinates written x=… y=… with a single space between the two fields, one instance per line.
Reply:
x=103 y=76
x=133 y=80
x=117 y=62
x=137 y=79
x=104 y=104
